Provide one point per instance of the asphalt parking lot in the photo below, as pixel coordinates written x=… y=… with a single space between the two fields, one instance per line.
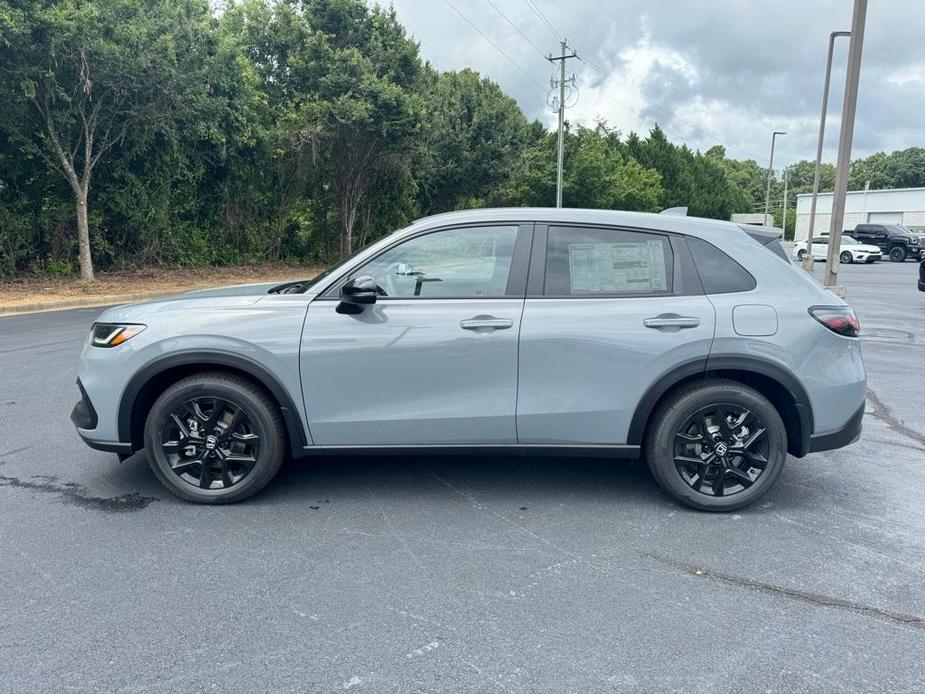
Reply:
x=465 y=573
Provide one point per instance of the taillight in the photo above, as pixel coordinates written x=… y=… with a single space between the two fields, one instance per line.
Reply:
x=838 y=319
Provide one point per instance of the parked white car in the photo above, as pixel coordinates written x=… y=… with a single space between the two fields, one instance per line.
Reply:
x=852 y=250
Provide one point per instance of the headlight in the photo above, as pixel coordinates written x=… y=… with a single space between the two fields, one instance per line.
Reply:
x=113 y=334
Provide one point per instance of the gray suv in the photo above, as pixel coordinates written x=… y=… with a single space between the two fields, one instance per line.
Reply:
x=694 y=343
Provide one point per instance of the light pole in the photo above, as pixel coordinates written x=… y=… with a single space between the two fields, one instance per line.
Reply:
x=767 y=197
x=845 y=139
x=808 y=258
x=783 y=224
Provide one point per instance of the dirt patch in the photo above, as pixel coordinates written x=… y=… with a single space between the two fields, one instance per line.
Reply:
x=39 y=292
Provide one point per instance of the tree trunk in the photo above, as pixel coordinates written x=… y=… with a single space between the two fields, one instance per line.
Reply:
x=83 y=239
x=348 y=217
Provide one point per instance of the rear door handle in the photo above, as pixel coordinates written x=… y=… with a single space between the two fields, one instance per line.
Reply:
x=486 y=323
x=671 y=320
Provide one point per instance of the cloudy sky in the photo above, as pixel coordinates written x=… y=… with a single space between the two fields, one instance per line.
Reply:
x=708 y=71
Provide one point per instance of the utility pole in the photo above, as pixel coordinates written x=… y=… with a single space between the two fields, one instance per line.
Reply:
x=845 y=138
x=808 y=258
x=560 y=146
x=767 y=196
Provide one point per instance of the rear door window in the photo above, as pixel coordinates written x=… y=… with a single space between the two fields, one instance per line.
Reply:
x=588 y=261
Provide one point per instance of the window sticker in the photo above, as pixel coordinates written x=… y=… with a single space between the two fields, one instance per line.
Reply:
x=604 y=268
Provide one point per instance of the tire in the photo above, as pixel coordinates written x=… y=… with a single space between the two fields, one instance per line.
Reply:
x=801 y=254
x=244 y=453
x=846 y=257
x=898 y=254
x=664 y=439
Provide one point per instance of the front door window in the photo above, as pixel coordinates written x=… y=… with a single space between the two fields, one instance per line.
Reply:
x=455 y=263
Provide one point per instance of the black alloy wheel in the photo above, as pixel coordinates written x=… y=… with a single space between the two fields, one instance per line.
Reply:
x=215 y=438
x=721 y=449
x=210 y=442
x=716 y=445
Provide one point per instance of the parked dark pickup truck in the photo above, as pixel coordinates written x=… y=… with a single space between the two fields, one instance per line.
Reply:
x=895 y=240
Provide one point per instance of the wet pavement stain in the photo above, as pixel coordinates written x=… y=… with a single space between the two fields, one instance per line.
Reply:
x=793 y=593
x=72 y=493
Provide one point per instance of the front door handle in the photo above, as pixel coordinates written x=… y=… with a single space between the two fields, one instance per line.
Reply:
x=486 y=323
x=671 y=321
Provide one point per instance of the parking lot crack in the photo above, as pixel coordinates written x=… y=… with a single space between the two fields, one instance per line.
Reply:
x=793 y=593
x=884 y=413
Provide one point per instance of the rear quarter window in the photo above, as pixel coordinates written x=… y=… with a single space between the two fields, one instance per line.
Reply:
x=719 y=273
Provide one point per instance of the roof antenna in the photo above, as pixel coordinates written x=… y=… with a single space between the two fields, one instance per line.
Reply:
x=675 y=211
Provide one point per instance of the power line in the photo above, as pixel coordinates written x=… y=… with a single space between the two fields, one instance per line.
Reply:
x=494 y=45
x=516 y=28
x=539 y=13
x=607 y=75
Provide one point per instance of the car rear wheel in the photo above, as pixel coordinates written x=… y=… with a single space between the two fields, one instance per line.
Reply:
x=801 y=254
x=897 y=255
x=214 y=438
x=716 y=445
x=846 y=257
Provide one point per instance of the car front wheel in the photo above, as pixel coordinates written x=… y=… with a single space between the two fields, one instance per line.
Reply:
x=716 y=445
x=801 y=254
x=898 y=255
x=214 y=438
x=846 y=257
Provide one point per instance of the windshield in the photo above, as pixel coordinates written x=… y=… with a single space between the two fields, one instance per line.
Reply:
x=302 y=286
x=849 y=241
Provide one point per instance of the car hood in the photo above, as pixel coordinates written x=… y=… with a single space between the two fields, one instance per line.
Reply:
x=255 y=290
x=865 y=248
x=233 y=297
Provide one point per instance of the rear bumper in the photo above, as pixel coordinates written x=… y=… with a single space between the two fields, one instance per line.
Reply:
x=848 y=434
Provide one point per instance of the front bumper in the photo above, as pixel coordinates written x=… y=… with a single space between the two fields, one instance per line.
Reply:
x=845 y=436
x=84 y=415
x=85 y=419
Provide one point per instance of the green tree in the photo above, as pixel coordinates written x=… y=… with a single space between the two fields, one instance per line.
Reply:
x=900 y=169
x=81 y=75
x=597 y=174
x=360 y=108
x=473 y=133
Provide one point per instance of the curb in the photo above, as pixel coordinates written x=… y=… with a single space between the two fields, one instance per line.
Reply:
x=89 y=302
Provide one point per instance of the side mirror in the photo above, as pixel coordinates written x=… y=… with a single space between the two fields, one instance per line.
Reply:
x=357 y=293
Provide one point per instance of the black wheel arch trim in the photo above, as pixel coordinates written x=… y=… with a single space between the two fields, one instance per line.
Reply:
x=722 y=362
x=219 y=359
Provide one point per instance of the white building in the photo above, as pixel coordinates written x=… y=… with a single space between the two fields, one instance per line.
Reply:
x=904 y=206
